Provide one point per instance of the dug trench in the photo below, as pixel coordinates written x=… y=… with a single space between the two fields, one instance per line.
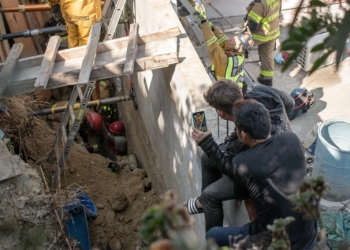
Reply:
x=121 y=197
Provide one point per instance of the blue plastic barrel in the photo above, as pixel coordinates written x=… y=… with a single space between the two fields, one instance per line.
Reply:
x=332 y=158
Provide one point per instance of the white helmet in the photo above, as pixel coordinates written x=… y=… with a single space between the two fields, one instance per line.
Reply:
x=246 y=39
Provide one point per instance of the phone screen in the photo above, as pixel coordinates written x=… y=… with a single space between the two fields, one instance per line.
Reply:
x=199 y=121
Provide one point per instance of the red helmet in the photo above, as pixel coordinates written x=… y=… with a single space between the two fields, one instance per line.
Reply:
x=94 y=119
x=117 y=128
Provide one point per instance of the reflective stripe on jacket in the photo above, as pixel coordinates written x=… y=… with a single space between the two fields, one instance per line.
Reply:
x=224 y=64
x=265 y=13
x=234 y=69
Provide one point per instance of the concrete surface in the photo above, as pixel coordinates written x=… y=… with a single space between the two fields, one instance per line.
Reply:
x=159 y=131
x=25 y=220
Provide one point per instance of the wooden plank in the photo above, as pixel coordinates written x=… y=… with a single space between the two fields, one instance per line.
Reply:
x=4 y=43
x=90 y=54
x=120 y=43
x=108 y=64
x=10 y=63
x=33 y=23
x=132 y=48
x=106 y=7
x=48 y=62
x=2 y=54
x=18 y=23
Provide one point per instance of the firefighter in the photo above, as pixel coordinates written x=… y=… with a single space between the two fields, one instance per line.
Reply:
x=89 y=126
x=79 y=16
x=263 y=22
x=226 y=54
x=115 y=135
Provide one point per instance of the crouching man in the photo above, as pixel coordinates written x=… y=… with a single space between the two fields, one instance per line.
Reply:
x=277 y=159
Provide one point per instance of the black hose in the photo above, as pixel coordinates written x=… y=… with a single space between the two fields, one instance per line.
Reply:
x=35 y=32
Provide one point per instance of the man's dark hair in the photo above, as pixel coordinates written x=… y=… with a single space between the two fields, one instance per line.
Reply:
x=253 y=118
x=222 y=95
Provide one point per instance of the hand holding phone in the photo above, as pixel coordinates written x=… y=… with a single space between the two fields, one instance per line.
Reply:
x=199 y=121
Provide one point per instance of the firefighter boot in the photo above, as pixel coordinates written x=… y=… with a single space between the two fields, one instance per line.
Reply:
x=267 y=81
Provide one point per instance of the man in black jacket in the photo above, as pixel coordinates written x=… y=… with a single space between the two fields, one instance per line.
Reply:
x=271 y=169
x=217 y=187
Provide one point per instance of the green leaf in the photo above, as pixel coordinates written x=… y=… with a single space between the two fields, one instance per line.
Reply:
x=343 y=34
x=295 y=46
x=317 y=48
x=319 y=61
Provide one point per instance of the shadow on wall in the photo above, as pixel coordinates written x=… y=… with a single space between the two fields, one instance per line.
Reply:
x=170 y=113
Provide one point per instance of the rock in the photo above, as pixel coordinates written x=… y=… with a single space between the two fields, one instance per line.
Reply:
x=147 y=185
x=111 y=235
x=140 y=173
x=71 y=170
x=110 y=216
x=127 y=230
x=119 y=202
x=99 y=220
x=92 y=163
x=99 y=206
x=121 y=218
x=115 y=244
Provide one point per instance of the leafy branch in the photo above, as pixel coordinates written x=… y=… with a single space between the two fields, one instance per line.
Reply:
x=317 y=21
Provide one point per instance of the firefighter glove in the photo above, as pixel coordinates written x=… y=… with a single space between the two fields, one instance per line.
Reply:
x=200 y=11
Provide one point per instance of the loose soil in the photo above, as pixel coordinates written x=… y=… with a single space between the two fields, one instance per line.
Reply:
x=122 y=197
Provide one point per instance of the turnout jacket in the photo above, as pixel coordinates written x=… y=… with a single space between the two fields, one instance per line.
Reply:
x=225 y=64
x=263 y=19
x=279 y=105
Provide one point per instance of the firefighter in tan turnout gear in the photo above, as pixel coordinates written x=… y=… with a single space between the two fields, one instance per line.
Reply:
x=263 y=22
x=79 y=17
x=226 y=54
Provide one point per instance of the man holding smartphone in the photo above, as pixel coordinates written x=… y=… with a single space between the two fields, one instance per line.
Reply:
x=217 y=187
x=271 y=169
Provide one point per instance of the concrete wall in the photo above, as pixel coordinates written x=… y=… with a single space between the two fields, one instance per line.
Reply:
x=159 y=131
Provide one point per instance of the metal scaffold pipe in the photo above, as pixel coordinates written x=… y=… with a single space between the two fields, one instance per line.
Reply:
x=26 y=8
x=100 y=102
x=35 y=32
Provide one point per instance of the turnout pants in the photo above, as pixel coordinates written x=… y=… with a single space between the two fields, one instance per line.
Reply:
x=77 y=35
x=265 y=50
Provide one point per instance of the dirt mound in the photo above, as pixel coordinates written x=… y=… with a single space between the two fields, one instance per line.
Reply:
x=121 y=197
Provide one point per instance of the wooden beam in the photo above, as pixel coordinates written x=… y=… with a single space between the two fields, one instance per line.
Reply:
x=10 y=63
x=132 y=48
x=2 y=54
x=107 y=64
x=17 y=23
x=120 y=43
x=33 y=23
x=105 y=8
x=5 y=43
x=48 y=62
x=90 y=54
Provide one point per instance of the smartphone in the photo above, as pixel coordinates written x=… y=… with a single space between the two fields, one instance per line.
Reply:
x=199 y=121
